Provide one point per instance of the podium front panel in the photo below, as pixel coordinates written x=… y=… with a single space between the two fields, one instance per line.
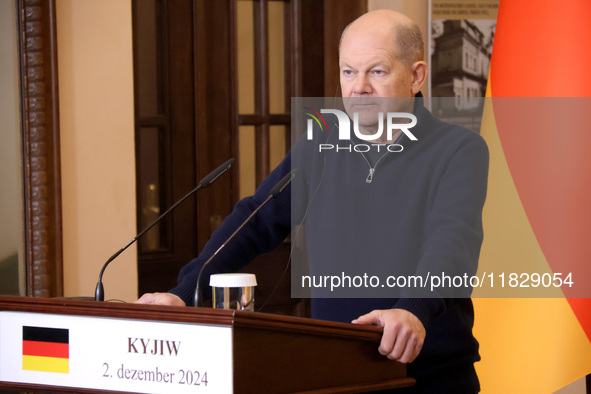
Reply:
x=115 y=354
x=67 y=345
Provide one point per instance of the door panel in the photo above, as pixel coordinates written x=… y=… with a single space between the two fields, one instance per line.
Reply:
x=214 y=80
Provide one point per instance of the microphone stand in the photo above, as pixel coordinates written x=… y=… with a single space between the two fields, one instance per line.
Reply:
x=99 y=293
x=278 y=188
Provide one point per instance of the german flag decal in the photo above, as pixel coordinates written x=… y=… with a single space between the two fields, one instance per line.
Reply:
x=46 y=349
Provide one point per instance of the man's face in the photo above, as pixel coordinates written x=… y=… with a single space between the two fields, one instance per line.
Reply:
x=369 y=69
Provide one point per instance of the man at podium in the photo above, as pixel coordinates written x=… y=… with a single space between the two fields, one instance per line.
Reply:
x=412 y=209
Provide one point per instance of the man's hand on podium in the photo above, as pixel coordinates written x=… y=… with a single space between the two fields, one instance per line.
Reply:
x=403 y=335
x=160 y=299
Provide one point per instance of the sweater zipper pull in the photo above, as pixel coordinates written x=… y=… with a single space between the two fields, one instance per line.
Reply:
x=370 y=176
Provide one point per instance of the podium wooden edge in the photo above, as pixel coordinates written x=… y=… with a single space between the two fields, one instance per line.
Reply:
x=189 y=315
x=405 y=382
x=363 y=388
x=117 y=310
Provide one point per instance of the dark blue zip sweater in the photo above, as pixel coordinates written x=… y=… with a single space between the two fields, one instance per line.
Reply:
x=421 y=215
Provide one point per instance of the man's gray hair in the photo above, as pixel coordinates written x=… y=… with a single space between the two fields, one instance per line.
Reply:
x=409 y=42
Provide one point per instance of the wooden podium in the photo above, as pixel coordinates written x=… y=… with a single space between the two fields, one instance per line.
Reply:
x=266 y=353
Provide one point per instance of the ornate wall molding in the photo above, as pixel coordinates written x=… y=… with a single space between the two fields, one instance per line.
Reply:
x=40 y=144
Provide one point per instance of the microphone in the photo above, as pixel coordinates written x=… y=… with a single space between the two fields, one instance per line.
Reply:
x=275 y=191
x=99 y=293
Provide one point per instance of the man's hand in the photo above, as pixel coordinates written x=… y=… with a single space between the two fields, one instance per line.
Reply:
x=161 y=299
x=403 y=336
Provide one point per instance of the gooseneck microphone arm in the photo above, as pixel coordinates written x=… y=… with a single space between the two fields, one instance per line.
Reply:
x=277 y=189
x=99 y=293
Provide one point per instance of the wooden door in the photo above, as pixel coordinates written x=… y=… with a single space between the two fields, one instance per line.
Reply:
x=217 y=78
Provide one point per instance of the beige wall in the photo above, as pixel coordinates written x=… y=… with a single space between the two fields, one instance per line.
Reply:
x=97 y=144
x=10 y=192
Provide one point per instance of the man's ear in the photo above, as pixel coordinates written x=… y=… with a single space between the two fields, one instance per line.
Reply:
x=420 y=71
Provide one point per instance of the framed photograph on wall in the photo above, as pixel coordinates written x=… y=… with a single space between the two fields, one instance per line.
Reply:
x=460 y=47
